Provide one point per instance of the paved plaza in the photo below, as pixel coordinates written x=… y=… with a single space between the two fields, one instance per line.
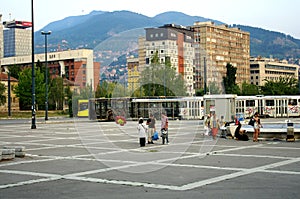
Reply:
x=88 y=159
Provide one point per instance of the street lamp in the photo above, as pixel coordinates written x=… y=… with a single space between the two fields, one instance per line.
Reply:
x=33 y=108
x=46 y=65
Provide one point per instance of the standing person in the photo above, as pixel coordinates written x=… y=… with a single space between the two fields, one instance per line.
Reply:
x=207 y=125
x=151 y=128
x=257 y=126
x=164 y=128
x=214 y=126
x=142 y=131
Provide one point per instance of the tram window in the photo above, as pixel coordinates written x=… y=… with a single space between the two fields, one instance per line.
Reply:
x=183 y=104
x=293 y=102
x=270 y=103
x=250 y=103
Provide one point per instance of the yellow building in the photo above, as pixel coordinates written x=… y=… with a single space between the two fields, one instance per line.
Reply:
x=262 y=69
x=14 y=99
x=217 y=45
x=133 y=73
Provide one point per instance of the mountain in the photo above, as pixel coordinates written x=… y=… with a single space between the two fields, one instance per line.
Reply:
x=69 y=22
x=94 y=29
x=123 y=28
x=180 y=18
x=270 y=43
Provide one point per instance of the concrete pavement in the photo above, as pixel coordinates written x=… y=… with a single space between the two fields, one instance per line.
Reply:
x=87 y=159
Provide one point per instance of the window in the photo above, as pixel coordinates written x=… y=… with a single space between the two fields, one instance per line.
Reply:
x=250 y=103
x=270 y=103
x=293 y=102
x=147 y=60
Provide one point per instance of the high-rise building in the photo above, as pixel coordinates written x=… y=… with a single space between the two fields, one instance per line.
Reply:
x=262 y=69
x=16 y=38
x=174 y=44
x=1 y=37
x=216 y=46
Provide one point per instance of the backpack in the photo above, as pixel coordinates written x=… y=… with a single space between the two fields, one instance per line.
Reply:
x=251 y=122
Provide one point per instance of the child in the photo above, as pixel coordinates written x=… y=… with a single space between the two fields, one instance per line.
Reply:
x=142 y=131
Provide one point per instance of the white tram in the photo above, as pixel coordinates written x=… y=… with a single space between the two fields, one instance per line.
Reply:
x=176 y=108
x=268 y=106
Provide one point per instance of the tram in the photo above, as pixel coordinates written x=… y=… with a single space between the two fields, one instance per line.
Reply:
x=268 y=106
x=83 y=108
x=190 y=108
x=105 y=109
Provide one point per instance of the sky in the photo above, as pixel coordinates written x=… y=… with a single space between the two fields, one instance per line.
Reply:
x=275 y=15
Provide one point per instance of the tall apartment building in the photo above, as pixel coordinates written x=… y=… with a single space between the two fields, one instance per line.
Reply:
x=217 y=45
x=16 y=38
x=262 y=69
x=175 y=44
x=1 y=38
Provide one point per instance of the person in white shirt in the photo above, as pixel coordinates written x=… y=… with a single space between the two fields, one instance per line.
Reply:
x=142 y=131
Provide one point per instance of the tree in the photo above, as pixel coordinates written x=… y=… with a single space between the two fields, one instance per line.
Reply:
x=23 y=89
x=160 y=79
x=86 y=92
x=250 y=89
x=56 y=94
x=105 y=89
x=2 y=94
x=14 y=71
x=284 y=86
x=229 y=80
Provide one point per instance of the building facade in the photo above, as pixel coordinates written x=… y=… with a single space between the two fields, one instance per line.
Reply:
x=262 y=69
x=14 y=100
x=173 y=44
x=16 y=38
x=133 y=74
x=76 y=65
x=1 y=38
x=215 y=47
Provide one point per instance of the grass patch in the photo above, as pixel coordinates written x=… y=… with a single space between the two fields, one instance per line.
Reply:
x=27 y=114
x=153 y=150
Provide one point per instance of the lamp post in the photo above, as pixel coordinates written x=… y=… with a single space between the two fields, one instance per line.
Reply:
x=9 y=93
x=33 y=108
x=205 y=76
x=46 y=65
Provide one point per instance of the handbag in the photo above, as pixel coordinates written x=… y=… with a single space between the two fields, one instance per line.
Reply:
x=155 y=136
x=164 y=133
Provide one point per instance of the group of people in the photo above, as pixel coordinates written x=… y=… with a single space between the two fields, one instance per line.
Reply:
x=255 y=122
x=146 y=131
x=212 y=126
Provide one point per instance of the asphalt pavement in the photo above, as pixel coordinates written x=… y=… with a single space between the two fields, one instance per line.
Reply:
x=78 y=158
